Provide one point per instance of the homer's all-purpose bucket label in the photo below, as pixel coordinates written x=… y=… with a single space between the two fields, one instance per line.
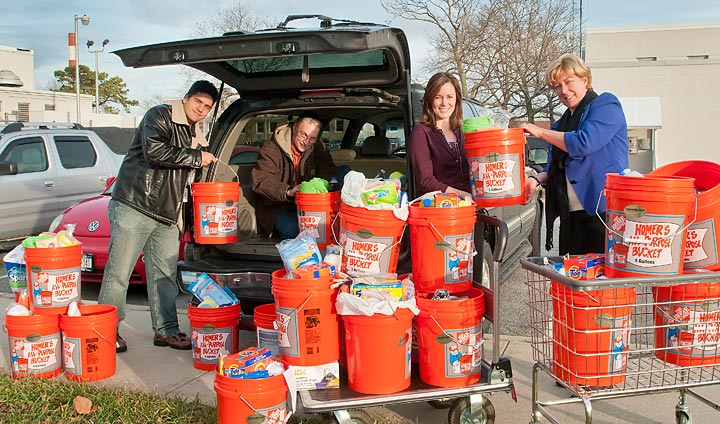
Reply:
x=365 y=255
x=649 y=244
x=619 y=343
x=495 y=176
x=315 y=221
x=289 y=332
x=463 y=356
x=458 y=259
x=700 y=245
x=274 y=415
x=35 y=354
x=54 y=287
x=210 y=342
x=218 y=219
x=692 y=329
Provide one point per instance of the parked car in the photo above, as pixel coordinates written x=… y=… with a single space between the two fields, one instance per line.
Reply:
x=357 y=73
x=46 y=167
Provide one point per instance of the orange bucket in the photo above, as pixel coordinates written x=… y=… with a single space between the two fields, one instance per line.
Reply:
x=215 y=206
x=378 y=350
x=686 y=328
x=591 y=334
x=701 y=245
x=442 y=247
x=34 y=345
x=267 y=334
x=370 y=240
x=261 y=400
x=317 y=211
x=308 y=325
x=53 y=276
x=646 y=222
x=89 y=343
x=449 y=334
x=214 y=332
x=497 y=166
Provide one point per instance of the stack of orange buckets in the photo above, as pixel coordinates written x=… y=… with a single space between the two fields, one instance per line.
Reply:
x=687 y=315
x=50 y=341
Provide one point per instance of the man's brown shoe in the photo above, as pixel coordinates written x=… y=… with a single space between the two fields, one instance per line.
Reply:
x=180 y=341
x=120 y=345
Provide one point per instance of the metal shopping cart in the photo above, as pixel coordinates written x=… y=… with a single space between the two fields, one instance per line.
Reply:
x=611 y=338
x=467 y=404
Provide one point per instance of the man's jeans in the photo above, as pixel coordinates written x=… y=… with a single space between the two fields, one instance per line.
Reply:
x=133 y=233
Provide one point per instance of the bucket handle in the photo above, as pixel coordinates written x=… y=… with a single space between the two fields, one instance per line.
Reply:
x=101 y=336
x=480 y=343
x=295 y=310
x=231 y=169
x=622 y=237
x=442 y=238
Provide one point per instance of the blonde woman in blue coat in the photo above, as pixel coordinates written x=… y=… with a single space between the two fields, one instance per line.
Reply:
x=587 y=142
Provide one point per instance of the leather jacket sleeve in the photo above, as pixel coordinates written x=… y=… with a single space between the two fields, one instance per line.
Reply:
x=156 y=134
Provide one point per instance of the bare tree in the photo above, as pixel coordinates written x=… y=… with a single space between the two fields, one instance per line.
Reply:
x=498 y=48
x=526 y=35
x=236 y=17
x=451 y=44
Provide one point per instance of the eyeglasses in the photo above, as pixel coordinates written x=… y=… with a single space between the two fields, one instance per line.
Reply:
x=303 y=136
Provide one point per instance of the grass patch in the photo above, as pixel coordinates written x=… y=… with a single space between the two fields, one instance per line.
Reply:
x=50 y=401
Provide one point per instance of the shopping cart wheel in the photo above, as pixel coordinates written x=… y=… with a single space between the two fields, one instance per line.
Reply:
x=460 y=412
x=682 y=417
x=443 y=403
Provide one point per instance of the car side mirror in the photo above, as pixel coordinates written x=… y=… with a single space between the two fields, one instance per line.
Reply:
x=8 y=168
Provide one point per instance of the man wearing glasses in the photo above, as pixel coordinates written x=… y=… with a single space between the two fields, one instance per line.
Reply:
x=289 y=158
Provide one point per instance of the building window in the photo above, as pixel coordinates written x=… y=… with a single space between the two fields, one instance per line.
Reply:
x=273 y=126
x=23 y=112
x=260 y=128
x=339 y=125
x=50 y=108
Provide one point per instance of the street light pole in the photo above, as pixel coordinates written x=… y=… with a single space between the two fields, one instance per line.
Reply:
x=85 y=21
x=91 y=43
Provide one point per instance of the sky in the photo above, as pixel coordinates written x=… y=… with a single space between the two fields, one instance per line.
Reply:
x=43 y=25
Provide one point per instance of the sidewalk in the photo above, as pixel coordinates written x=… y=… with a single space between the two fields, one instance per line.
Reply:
x=171 y=372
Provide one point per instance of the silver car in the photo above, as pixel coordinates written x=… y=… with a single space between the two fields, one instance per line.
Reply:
x=44 y=169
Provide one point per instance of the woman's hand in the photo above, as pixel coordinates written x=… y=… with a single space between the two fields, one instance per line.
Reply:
x=532 y=129
x=532 y=184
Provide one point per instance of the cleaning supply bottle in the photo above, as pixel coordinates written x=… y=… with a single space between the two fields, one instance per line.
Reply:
x=334 y=184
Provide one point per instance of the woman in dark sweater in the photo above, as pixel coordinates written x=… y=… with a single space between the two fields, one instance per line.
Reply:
x=437 y=155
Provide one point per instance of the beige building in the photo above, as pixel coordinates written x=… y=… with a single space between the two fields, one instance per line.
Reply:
x=21 y=101
x=668 y=79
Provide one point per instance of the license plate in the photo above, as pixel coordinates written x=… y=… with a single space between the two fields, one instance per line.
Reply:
x=87 y=262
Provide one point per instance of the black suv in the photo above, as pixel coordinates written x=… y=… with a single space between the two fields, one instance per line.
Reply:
x=356 y=77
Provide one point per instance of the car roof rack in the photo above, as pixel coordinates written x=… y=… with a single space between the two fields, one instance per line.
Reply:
x=18 y=126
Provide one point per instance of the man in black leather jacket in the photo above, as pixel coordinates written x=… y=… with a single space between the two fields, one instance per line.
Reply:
x=146 y=208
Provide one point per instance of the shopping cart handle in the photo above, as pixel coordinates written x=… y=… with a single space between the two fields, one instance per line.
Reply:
x=501 y=233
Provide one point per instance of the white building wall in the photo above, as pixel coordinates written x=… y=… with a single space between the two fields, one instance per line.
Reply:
x=20 y=62
x=685 y=75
